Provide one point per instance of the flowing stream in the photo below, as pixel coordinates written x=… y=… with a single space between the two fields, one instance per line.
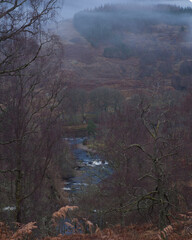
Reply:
x=92 y=169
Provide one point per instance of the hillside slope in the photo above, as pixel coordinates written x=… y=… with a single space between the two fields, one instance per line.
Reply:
x=90 y=69
x=161 y=52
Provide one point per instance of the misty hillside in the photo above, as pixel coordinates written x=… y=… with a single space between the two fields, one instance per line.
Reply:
x=129 y=47
x=95 y=121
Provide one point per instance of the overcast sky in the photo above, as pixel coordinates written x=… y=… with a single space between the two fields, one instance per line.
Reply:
x=70 y=7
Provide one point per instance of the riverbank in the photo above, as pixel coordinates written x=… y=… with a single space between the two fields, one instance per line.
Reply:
x=75 y=131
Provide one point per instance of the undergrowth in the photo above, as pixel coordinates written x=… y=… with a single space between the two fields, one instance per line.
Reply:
x=179 y=229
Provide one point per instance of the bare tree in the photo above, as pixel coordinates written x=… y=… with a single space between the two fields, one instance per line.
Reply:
x=75 y=103
x=22 y=21
x=30 y=130
x=144 y=147
x=31 y=90
x=106 y=99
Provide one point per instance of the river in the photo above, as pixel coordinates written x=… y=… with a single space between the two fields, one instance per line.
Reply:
x=92 y=169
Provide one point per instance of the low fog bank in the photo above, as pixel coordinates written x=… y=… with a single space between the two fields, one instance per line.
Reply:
x=153 y=38
x=70 y=7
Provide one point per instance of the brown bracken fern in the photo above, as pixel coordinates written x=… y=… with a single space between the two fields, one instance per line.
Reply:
x=22 y=233
x=180 y=229
x=62 y=213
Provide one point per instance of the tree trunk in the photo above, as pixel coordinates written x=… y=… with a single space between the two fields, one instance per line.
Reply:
x=18 y=183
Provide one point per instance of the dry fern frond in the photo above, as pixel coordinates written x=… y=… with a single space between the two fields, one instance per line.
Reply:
x=17 y=224
x=187 y=216
x=62 y=212
x=90 y=226
x=69 y=225
x=167 y=231
x=23 y=231
x=71 y=208
x=98 y=231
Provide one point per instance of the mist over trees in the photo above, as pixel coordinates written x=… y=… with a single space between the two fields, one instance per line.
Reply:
x=99 y=25
x=157 y=35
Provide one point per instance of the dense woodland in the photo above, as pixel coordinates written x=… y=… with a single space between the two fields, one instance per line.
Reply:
x=145 y=138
